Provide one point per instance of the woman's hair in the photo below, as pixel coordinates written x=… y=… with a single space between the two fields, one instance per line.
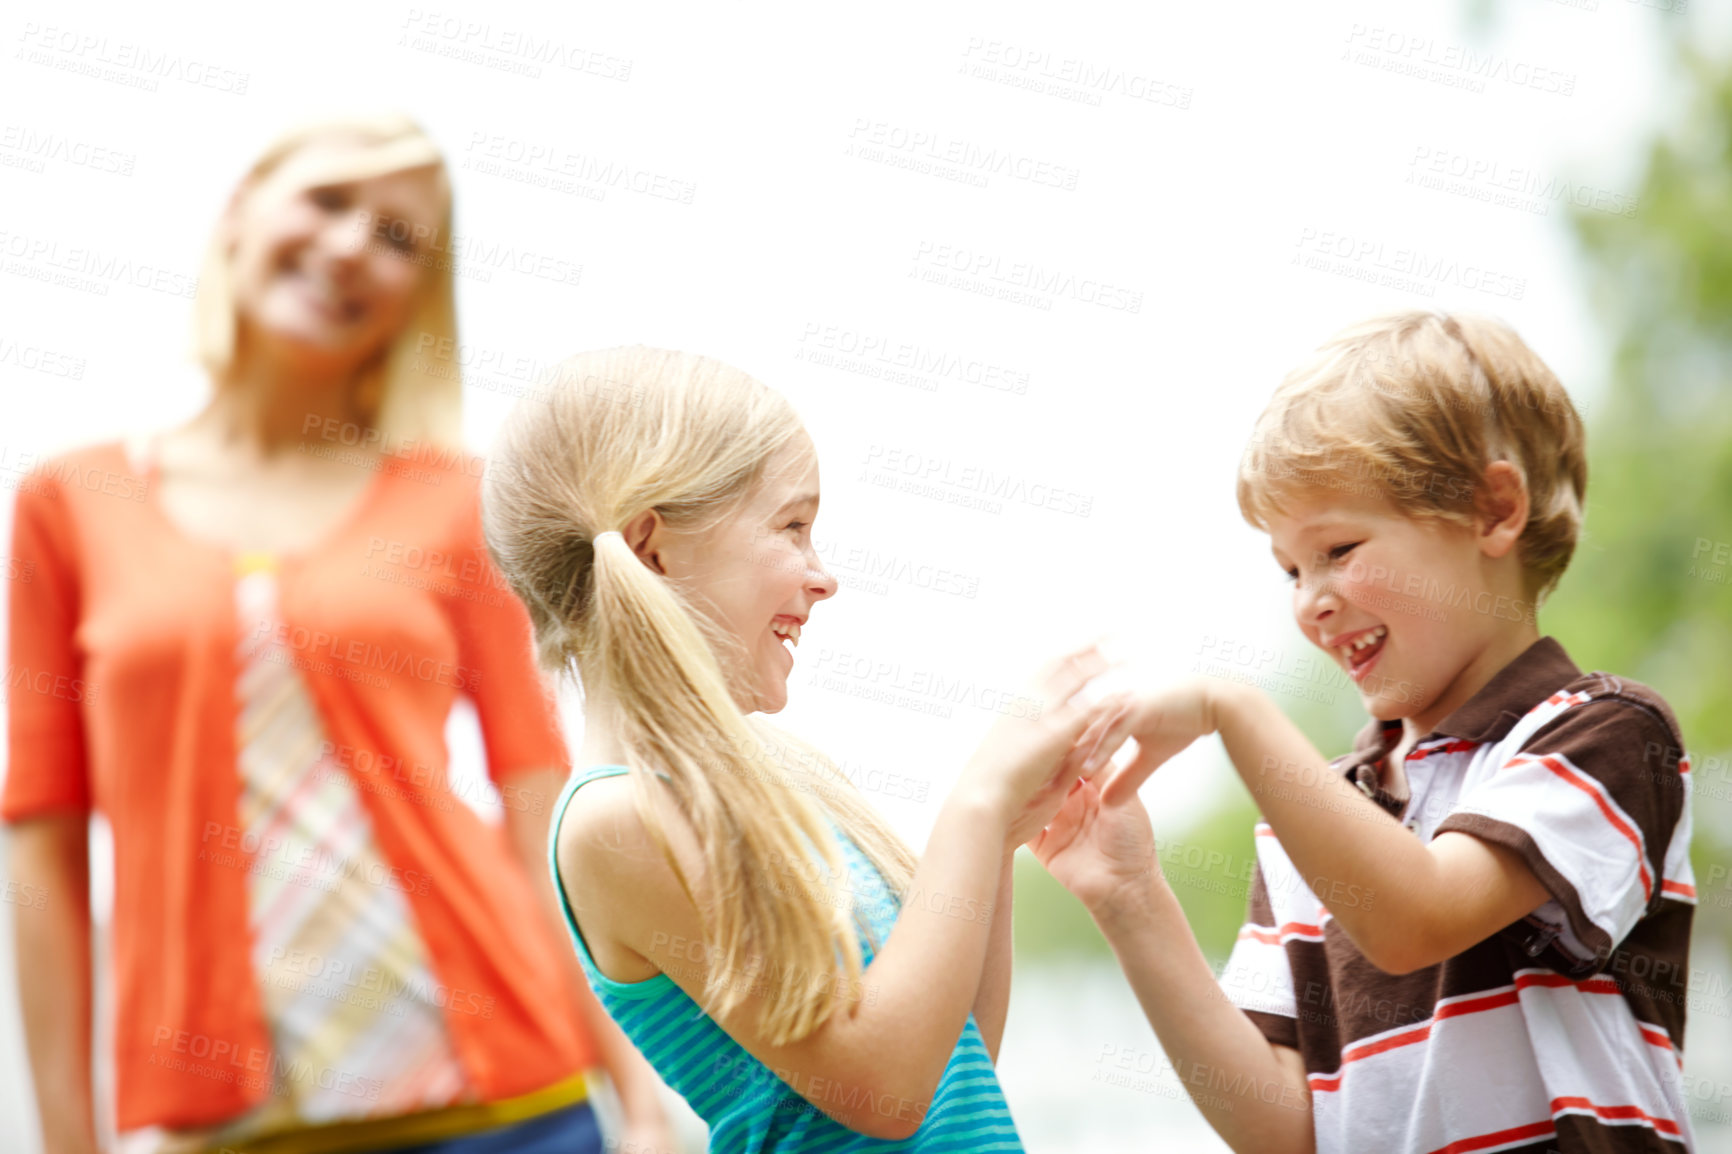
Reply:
x=408 y=396
x=1412 y=407
x=615 y=434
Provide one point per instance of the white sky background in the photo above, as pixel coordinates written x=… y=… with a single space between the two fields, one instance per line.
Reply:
x=791 y=245
x=1202 y=209
x=789 y=232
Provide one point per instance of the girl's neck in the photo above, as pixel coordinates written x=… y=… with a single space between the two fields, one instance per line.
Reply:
x=601 y=741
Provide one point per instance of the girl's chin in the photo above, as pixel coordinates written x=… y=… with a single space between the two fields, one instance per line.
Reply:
x=772 y=695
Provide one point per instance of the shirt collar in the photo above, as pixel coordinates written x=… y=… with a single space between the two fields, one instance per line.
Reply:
x=1539 y=671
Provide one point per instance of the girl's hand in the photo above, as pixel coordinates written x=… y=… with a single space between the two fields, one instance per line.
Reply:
x=1100 y=848
x=1082 y=760
x=1029 y=758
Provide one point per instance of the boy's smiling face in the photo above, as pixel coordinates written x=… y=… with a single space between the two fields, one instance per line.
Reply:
x=1418 y=613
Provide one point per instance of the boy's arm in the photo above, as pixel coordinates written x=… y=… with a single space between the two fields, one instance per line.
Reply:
x=1427 y=902
x=1209 y=1041
x=1254 y=1092
x=992 y=1000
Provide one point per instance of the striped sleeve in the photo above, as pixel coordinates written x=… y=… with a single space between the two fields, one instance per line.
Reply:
x=1258 y=977
x=45 y=687
x=1591 y=802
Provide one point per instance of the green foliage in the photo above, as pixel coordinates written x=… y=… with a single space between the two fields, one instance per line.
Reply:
x=1049 y=925
x=1646 y=597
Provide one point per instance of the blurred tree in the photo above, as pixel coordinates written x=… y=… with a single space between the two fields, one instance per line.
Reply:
x=1649 y=594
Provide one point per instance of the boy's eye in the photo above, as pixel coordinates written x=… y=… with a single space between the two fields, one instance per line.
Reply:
x=1292 y=574
x=1341 y=551
x=796 y=525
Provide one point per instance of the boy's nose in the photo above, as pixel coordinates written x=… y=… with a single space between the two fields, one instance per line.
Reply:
x=1314 y=602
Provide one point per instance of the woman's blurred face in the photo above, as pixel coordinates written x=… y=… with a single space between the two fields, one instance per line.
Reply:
x=327 y=268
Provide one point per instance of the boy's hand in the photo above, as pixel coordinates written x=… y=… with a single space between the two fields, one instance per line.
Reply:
x=1162 y=722
x=1101 y=850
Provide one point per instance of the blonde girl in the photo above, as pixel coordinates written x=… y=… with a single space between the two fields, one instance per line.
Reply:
x=775 y=951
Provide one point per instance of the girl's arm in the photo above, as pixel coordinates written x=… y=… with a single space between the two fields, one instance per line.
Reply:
x=49 y=856
x=1253 y=1092
x=875 y=1063
x=992 y=1000
x=645 y=1122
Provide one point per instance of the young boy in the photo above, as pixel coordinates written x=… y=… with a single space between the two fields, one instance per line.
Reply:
x=1471 y=932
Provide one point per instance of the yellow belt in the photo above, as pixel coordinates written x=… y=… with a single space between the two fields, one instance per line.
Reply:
x=415 y=1129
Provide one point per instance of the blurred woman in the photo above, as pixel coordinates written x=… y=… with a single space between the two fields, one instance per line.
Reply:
x=267 y=614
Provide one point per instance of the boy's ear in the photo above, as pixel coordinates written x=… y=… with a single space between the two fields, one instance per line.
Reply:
x=647 y=534
x=1503 y=508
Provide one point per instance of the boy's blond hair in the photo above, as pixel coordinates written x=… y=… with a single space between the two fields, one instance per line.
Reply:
x=1412 y=407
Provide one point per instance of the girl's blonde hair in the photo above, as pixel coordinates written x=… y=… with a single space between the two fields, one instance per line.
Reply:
x=407 y=397
x=615 y=434
x=1412 y=407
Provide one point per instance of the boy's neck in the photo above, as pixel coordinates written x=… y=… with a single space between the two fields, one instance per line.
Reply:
x=1501 y=648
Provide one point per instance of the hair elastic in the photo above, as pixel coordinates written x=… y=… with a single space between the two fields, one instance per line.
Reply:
x=596 y=540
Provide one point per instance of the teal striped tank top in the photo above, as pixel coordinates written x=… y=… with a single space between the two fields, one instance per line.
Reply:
x=746 y=1105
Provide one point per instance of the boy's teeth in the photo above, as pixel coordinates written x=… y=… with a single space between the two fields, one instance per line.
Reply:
x=790 y=630
x=1364 y=640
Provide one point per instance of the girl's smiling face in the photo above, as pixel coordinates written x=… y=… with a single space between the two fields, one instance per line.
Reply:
x=1409 y=609
x=756 y=573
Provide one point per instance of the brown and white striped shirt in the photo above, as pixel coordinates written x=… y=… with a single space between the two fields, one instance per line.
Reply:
x=1564 y=1031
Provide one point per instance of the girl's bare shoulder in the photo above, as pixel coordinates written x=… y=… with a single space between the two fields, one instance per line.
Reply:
x=603 y=838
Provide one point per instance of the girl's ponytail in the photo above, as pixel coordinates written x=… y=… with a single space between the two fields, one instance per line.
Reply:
x=626 y=431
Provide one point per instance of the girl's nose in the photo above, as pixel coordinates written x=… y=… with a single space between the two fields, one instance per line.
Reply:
x=819 y=583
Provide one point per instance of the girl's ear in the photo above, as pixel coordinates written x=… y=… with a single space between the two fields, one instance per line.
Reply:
x=648 y=535
x=1503 y=507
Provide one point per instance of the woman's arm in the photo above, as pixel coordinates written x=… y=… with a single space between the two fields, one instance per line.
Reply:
x=50 y=856
x=992 y=1000
x=646 y=1123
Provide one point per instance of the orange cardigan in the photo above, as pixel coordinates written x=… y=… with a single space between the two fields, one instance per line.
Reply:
x=121 y=697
